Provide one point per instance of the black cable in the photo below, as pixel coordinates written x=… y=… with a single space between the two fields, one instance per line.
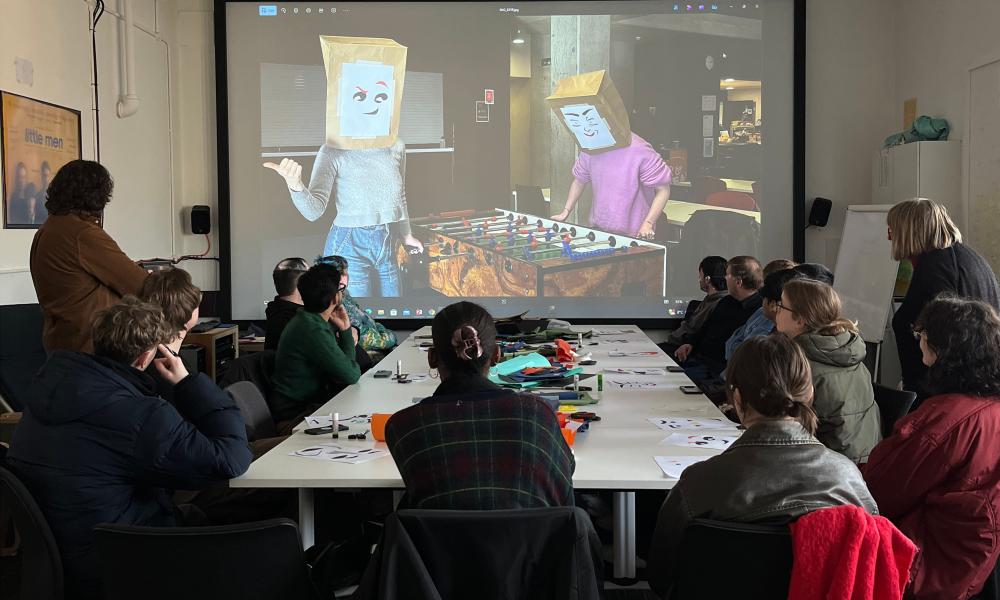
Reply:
x=97 y=14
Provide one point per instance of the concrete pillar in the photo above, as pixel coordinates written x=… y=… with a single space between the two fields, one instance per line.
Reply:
x=579 y=44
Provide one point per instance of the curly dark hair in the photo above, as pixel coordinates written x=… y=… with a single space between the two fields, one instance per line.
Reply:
x=965 y=335
x=81 y=187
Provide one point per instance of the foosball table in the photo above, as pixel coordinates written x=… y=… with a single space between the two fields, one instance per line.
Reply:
x=502 y=253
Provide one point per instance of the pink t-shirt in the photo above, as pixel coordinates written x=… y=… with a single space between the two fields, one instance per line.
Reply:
x=623 y=180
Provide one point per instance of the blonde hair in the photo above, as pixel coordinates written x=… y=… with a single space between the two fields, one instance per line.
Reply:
x=919 y=225
x=818 y=306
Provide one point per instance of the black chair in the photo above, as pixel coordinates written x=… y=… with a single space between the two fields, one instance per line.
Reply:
x=540 y=553
x=257 y=368
x=250 y=561
x=256 y=414
x=21 y=351
x=892 y=405
x=720 y=559
x=41 y=566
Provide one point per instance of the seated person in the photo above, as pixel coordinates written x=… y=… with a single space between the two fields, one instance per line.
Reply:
x=314 y=360
x=849 y=420
x=288 y=302
x=776 y=273
x=769 y=384
x=172 y=291
x=708 y=345
x=95 y=444
x=473 y=444
x=712 y=281
x=937 y=476
x=372 y=335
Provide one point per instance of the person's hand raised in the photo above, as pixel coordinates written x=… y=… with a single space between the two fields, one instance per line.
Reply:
x=340 y=318
x=291 y=171
x=170 y=366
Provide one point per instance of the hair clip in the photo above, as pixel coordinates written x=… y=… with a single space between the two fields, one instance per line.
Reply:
x=359 y=436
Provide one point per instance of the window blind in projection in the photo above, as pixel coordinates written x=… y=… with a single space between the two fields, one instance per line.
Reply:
x=293 y=106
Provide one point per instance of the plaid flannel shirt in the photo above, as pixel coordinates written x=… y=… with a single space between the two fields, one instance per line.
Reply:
x=474 y=445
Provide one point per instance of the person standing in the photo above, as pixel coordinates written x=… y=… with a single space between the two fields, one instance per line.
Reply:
x=76 y=267
x=921 y=230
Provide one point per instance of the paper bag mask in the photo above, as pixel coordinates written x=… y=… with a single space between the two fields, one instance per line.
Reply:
x=589 y=106
x=364 y=91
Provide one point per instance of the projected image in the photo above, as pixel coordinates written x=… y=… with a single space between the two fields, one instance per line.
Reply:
x=530 y=157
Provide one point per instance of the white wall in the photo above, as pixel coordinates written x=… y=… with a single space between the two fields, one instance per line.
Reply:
x=142 y=152
x=937 y=43
x=850 y=68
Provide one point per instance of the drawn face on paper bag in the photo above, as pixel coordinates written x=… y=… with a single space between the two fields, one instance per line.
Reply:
x=589 y=127
x=366 y=99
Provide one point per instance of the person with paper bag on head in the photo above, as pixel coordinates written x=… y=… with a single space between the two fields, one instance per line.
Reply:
x=631 y=182
x=362 y=165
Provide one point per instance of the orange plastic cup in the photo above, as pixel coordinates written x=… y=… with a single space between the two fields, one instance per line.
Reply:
x=378 y=425
x=569 y=435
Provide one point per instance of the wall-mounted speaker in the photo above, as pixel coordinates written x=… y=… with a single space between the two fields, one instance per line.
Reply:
x=201 y=219
x=819 y=214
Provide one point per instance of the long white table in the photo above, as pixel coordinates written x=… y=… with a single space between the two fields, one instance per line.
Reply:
x=615 y=454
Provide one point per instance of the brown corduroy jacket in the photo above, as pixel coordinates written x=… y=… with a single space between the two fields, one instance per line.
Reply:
x=77 y=270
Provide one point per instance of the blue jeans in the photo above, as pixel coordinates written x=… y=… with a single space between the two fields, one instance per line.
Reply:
x=370 y=261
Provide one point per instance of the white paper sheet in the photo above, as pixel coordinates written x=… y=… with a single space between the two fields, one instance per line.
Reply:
x=343 y=454
x=715 y=441
x=675 y=423
x=636 y=371
x=673 y=466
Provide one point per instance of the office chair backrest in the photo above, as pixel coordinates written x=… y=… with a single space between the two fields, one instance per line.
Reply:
x=249 y=561
x=719 y=559
x=41 y=566
x=21 y=351
x=256 y=414
x=541 y=553
x=892 y=405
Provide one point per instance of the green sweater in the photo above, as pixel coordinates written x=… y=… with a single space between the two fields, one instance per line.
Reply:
x=312 y=362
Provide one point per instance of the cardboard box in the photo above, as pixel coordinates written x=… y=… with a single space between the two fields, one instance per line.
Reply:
x=591 y=109
x=364 y=91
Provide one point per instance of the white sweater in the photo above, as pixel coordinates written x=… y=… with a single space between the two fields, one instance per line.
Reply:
x=367 y=185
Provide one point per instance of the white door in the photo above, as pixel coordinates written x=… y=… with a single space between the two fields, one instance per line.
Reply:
x=984 y=162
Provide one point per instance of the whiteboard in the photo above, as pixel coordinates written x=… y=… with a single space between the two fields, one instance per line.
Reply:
x=866 y=272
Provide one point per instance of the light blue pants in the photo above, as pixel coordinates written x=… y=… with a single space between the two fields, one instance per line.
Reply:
x=371 y=263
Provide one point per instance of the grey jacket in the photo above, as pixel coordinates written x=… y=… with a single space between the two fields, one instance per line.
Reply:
x=849 y=421
x=367 y=186
x=775 y=473
x=693 y=322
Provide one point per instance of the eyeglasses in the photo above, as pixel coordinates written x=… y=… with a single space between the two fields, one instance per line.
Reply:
x=342 y=287
x=783 y=307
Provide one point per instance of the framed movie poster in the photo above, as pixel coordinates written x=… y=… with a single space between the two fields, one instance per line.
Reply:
x=36 y=139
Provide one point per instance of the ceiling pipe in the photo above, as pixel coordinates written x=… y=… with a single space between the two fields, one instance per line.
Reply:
x=128 y=103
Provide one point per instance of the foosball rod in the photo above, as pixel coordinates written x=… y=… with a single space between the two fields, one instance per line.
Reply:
x=489 y=224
